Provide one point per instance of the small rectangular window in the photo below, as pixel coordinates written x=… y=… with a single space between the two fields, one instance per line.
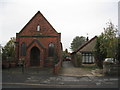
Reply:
x=38 y=28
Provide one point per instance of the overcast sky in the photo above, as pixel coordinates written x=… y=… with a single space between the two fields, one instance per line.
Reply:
x=69 y=17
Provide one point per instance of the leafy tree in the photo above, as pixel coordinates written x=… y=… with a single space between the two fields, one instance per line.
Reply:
x=8 y=51
x=100 y=51
x=106 y=45
x=77 y=42
x=110 y=36
x=64 y=54
x=66 y=50
x=118 y=50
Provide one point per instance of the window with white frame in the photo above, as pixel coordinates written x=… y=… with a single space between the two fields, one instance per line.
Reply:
x=87 y=58
x=83 y=58
x=90 y=58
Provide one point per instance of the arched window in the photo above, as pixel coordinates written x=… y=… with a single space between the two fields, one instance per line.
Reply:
x=23 y=49
x=51 y=50
x=38 y=28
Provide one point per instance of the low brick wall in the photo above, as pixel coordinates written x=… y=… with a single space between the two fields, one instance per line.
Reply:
x=57 y=67
x=111 y=69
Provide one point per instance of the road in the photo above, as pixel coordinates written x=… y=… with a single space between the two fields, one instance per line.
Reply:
x=39 y=78
x=69 y=82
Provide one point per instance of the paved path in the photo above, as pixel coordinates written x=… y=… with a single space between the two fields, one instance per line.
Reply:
x=69 y=70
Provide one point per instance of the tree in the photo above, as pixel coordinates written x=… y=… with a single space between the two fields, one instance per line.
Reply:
x=66 y=51
x=64 y=54
x=100 y=51
x=8 y=51
x=106 y=45
x=77 y=42
x=118 y=50
x=110 y=36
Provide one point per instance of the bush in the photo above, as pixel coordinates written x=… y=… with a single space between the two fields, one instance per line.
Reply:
x=99 y=63
x=78 y=59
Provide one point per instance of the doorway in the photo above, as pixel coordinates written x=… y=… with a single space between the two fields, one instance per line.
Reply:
x=35 y=57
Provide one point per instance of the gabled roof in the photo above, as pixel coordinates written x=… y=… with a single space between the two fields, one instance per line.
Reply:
x=84 y=45
x=34 y=17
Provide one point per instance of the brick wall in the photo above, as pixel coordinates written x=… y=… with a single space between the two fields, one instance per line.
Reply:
x=111 y=69
x=45 y=36
x=57 y=67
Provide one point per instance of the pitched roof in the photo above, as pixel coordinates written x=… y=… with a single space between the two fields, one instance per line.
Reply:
x=88 y=46
x=34 y=17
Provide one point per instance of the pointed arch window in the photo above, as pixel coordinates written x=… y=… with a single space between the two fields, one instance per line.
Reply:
x=23 y=49
x=51 y=50
x=38 y=28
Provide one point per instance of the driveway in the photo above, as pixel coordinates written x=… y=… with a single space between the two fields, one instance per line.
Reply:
x=69 y=70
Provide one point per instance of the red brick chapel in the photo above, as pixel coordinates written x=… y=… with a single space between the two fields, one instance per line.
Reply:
x=38 y=42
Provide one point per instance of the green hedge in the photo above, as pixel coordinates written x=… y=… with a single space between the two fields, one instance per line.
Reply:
x=78 y=59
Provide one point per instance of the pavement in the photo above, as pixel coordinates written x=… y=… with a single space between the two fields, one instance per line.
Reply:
x=69 y=77
x=69 y=70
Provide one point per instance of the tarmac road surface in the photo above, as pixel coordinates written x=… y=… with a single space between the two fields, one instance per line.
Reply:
x=43 y=78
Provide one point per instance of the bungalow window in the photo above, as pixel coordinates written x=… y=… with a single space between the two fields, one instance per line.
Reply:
x=83 y=58
x=87 y=58
x=93 y=59
x=51 y=50
x=90 y=58
x=23 y=49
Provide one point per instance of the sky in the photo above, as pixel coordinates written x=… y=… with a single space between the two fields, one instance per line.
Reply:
x=71 y=18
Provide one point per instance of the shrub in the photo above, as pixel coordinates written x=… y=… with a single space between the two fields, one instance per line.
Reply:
x=78 y=59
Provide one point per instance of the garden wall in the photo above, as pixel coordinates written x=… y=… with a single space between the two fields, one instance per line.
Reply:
x=111 y=69
x=57 y=67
